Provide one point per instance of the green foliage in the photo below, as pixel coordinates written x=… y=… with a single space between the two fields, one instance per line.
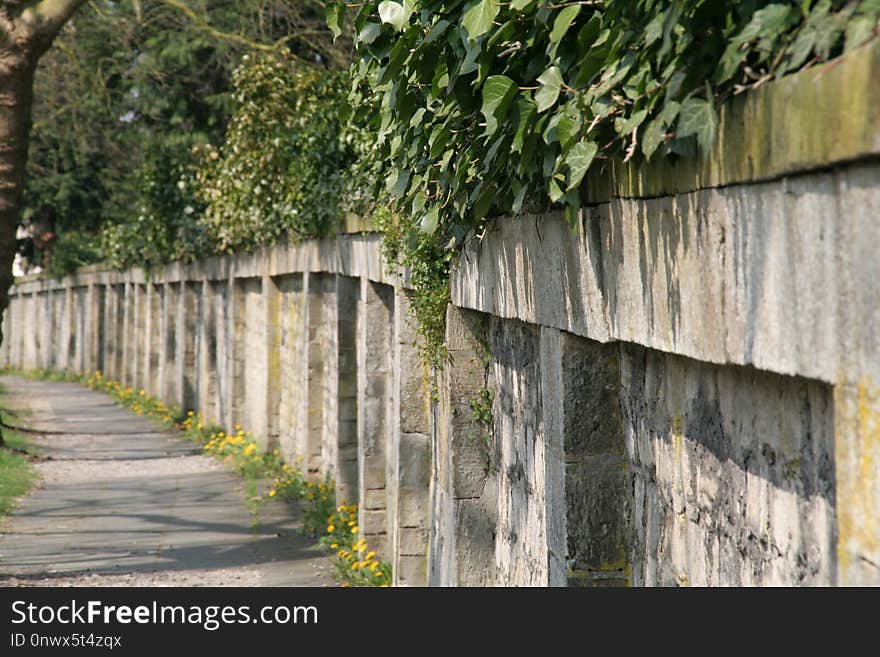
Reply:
x=72 y=249
x=166 y=226
x=457 y=86
x=427 y=264
x=125 y=94
x=481 y=108
x=281 y=169
x=17 y=475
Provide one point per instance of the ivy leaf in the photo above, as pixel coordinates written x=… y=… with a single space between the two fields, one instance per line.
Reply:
x=430 y=220
x=525 y=110
x=566 y=130
x=368 y=34
x=478 y=19
x=335 y=17
x=436 y=32
x=654 y=29
x=800 y=49
x=437 y=141
x=697 y=117
x=633 y=122
x=551 y=82
x=766 y=24
x=498 y=92
x=655 y=131
x=416 y=119
x=563 y=22
x=859 y=30
x=483 y=202
x=578 y=160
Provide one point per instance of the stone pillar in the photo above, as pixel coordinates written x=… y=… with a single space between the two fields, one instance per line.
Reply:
x=168 y=352
x=312 y=439
x=6 y=333
x=109 y=343
x=187 y=321
x=29 y=333
x=10 y=317
x=153 y=380
x=138 y=336
x=253 y=353
x=81 y=328
x=36 y=318
x=589 y=491
x=346 y=465
x=59 y=348
x=46 y=327
x=207 y=354
x=293 y=320
x=330 y=377
x=118 y=331
x=127 y=334
x=68 y=331
x=94 y=355
x=520 y=434
x=857 y=476
x=410 y=472
x=222 y=301
x=270 y=428
x=463 y=489
x=260 y=353
x=237 y=354
x=375 y=318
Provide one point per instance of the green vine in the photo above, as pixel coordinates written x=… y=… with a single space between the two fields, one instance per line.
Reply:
x=482 y=109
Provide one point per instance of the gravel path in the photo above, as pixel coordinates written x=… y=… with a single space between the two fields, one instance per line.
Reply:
x=122 y=503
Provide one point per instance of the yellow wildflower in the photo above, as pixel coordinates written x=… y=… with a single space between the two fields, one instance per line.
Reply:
x=272 y=493
x=331 y=529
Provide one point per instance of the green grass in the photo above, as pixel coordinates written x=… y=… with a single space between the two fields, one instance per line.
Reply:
x=17 y=474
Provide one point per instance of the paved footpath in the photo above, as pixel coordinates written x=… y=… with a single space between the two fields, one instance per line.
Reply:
x=123 y=503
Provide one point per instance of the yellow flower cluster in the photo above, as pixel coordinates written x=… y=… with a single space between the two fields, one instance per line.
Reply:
x=356 y=563
x=137 y=400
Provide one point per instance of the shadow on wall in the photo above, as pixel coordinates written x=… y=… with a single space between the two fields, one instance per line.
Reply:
x=732 y=471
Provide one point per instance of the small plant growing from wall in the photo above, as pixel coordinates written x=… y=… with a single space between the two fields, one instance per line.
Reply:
x=481 y=413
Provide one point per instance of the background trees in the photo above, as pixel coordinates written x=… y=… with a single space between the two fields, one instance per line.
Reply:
x=129 y=91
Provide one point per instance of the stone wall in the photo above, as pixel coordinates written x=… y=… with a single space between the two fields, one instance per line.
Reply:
x=681 y=389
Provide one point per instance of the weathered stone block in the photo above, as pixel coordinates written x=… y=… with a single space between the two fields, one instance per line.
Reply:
x=411 y=571
x=374 y=499
x=474 y=522
x=412 y=542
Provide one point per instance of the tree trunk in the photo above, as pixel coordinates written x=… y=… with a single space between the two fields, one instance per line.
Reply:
x=27 y=29
x=16 y=97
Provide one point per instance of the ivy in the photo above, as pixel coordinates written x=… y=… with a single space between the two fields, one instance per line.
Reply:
x=483 y=109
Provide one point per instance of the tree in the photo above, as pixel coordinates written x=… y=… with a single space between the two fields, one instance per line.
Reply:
x=128 y=90
x=27 y=29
